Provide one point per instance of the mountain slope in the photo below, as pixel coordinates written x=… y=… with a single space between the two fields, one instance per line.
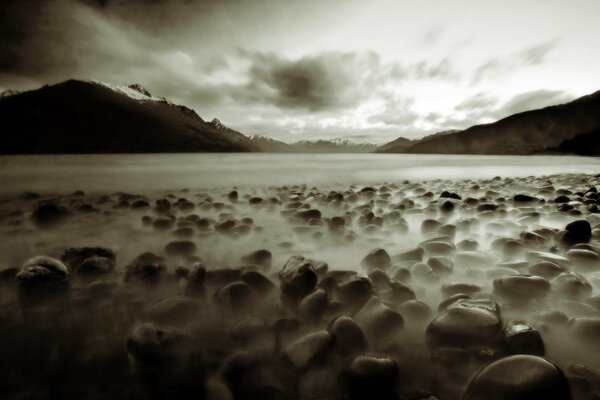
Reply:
x=92 y=117
x=528 y=132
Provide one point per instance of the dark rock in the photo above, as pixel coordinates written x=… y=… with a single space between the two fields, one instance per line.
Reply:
x=466 y=324
x=378 y=258
x=262 y=258
x=348 y=338
x=578 y=232
x=521 y=338
x=48 y=214
x=521 y=287
x=184 y=248
x=520 y=377
x=308 y=348
x=297 y=279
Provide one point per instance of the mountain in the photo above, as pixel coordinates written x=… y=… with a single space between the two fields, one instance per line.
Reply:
x=395 y=146
x=401 y=144
x=95 y=117
x=269 y=145
x=338 y=145
x=235 y=136
x=561 y=128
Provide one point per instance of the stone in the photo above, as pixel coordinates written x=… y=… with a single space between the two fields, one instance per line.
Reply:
x=519 y=377
x=521 y=338
x=263 y=258
x=377 y=258
x=308 y=348
x=466 y=324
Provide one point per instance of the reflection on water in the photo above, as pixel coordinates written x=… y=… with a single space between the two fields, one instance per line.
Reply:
x=141 y=172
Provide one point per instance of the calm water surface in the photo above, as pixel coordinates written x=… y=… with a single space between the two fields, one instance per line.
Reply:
x=142 y=172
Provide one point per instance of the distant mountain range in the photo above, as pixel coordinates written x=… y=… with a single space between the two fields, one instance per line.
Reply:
x=567 y=128
x=97 y=117
x=338 y=145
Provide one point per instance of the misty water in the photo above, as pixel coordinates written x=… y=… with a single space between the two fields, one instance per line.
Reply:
x=488 y=228
x=147 y=172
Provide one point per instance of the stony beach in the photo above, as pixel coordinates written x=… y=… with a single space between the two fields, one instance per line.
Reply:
x=440 y=289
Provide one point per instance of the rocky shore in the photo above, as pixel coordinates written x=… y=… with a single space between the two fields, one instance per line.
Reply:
x=462 y=289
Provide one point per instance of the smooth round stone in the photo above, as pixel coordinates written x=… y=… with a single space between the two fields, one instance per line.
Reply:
x=552 y=317
x=572 y=285
x=466 y=323
x=236 y=296
x=584 y=260
x=348 y=338
x=521 y=338
x=423 y=272
x=377 y=258
x=521 y=287
x=354 y=292
x=535 y=256
x=379 y=322
x=519 y=377
x=586 y=329
x=439 y=248
x=441 y=265
x=308 y=348
x=313 y=306
x=545 y=269
x=42 y=278
x=578 y=232
x=262 y=258
x=446 y=302
x=430 y=225
x=373 y=368
x=380 y=279
x=184 y=248
x=451 y=289
x=297 y=279
x=498 y=272
x=416 y=311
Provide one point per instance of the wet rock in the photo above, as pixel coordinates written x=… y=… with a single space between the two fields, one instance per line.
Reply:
x=578 y=232
x=545 y=269
x=313 y=306
x=521 y=338
x=379 y=322
x=236 y=296
x=521 y=287
x=195 y=281
x=42 y=278
x=415 y=311
x=466 y=324
x=262 y=258
x=354 y=291
x=48 y=214
x=451 y=289
x=297 y=279
x=519 y=377
x=584 y=260
x=147 y=268
x=371 y=376
x=184 y=248
x=308 y=348
x=348 y=338
x=572 y=285
x=163 y=224
x=378 y=258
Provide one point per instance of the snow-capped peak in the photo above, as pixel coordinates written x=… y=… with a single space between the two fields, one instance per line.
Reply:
x=134 y=91
x=218 y=124
x=8 y=93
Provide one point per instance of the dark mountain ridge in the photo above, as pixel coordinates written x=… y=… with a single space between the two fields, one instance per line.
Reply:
x=88 y=117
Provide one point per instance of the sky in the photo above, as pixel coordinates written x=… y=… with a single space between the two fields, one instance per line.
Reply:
x=291 y=70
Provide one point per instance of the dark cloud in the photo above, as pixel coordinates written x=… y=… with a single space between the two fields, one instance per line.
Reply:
x=325 y=81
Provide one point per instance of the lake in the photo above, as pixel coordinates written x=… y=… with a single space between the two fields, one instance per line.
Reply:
x=143 y=172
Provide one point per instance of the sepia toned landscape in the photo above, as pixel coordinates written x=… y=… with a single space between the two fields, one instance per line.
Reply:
x=232 y=200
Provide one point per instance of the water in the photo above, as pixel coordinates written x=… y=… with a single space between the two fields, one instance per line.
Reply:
x=143 y=172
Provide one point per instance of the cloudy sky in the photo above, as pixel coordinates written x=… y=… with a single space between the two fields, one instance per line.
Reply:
x=309 y=69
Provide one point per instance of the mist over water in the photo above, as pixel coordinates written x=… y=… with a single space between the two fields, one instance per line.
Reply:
x=448 y=225
x=147 y=172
